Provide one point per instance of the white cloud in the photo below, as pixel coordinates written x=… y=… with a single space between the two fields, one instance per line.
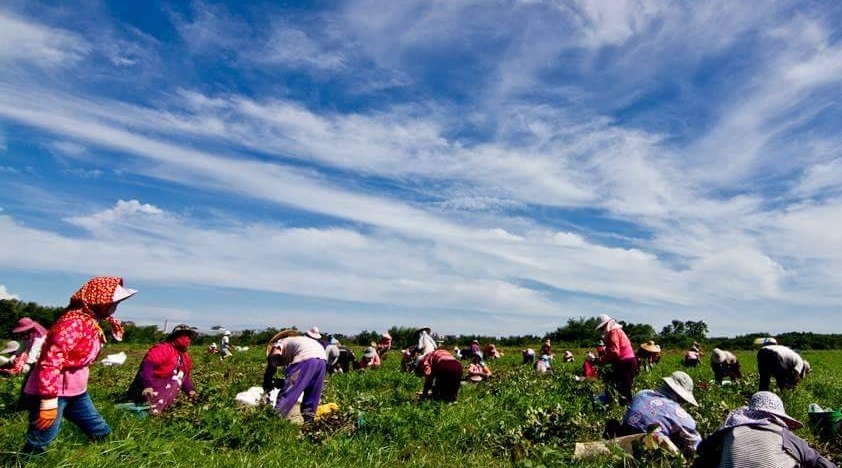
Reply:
x=26 y=41
x=4 y=294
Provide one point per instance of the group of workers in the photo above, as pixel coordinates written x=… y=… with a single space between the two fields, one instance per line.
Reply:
x=58 y=361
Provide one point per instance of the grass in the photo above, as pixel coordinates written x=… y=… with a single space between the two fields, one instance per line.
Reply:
x=517 y=419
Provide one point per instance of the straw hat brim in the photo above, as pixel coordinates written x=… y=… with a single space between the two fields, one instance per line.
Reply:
x=279 y=336
x=651 y=348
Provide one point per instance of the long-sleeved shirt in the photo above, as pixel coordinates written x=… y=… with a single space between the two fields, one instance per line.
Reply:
x=432 y=360
x=163 y=360
x=297 y=349
x=617 y=346
x=758 y=446
x=789 y=358
x=719 y=356
x=652 y=407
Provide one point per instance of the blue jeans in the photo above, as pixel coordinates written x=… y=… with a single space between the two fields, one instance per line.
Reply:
x=78 y=409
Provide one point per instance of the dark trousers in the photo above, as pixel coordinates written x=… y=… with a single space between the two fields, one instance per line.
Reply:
x=447 y=378
x=769 y=364
x=622 y=378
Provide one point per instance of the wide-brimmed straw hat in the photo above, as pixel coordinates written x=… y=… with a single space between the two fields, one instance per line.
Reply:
x=651 y=347
x=602 y=320
x=11 y=347
x=183 y=329
x=313 y=333
x=279 y=336
x=426 y=329
x=770 y=403
x=682 y=384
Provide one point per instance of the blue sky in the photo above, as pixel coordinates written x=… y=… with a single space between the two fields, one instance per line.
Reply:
x=483 y=166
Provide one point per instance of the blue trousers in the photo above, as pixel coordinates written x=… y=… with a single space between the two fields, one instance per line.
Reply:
x=78 y=409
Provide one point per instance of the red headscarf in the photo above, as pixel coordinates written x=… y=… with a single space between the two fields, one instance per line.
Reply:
x=96 y=299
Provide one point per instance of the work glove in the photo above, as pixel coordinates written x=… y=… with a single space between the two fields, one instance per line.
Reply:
x=148 y=393
x=47 y=414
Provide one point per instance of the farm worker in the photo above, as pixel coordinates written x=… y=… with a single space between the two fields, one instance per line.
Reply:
x=724 y=364
x=620 y=354
x=225 y=350
x=588 y=366
x=165 y=371
x=58 y=384
x=370 y=359
x=475 y=349
x=692 y=356
x=543 y=364
x=314 y=333
x=546 y=348
x=759 y=435
x=32 y=335
x=442 y=375
x=213 y=348
x=528 y=355
x=478 y=370
x=490 y=352
x=663 y=407
x=568 y=356
x=600 y=349
x=384 y=345
x=306 y=364
x=782 y=363
x=647 y=354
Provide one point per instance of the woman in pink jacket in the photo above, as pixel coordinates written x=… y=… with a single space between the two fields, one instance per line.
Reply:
x=58 y=384
x=620 y=354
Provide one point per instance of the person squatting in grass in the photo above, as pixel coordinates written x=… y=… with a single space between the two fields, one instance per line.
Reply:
x=620 y=354
x=442 y=376
x=759 y=436
x=478 y=370
x=648 y=354
x=369 y=360
x=663 y=407
x=306 y=365
x=165 y=371
x=384 y=345
x=58 y=384
x=782 y=363
x=724 y=364
x=33 y=336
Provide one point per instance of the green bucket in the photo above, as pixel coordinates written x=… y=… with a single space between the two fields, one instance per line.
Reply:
x=824 y=423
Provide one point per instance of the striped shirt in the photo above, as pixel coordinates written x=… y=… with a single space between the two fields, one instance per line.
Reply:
x=755 y=447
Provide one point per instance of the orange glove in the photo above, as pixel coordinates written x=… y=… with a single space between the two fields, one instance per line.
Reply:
x=47 y=414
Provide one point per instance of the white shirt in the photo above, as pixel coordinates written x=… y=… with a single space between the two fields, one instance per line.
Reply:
x=790 y=358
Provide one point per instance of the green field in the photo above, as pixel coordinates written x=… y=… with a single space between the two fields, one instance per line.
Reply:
x=517 y=419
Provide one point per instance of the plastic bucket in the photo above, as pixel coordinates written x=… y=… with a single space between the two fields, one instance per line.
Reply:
x=825 y=423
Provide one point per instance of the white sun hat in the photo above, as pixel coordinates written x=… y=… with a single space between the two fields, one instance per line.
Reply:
x=121 y=293
x=682 y=384
x=602 y=320
x=313 y=333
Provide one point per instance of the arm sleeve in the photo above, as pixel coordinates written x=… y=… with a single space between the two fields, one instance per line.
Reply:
x=271 y=369
x=51 y=363
x=147 y=372
x=187 y=383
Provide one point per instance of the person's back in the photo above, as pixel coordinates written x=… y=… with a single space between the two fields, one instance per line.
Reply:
x=755 y=446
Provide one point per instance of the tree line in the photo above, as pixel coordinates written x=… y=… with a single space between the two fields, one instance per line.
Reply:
x=575 y=333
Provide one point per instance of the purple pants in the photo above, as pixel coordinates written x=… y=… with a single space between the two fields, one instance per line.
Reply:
x=306 y=377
